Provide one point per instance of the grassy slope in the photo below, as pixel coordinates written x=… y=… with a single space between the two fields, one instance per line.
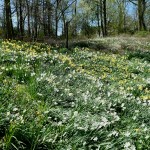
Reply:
x=81 y=99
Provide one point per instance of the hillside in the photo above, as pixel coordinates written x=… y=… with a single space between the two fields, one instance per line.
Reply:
x=93 y=96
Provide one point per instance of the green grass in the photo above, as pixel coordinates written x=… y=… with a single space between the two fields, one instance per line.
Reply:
x=54 y=99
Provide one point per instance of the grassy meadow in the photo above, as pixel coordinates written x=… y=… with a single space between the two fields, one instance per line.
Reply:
x=94 y=96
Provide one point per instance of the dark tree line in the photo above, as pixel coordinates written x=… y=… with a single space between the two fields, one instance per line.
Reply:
x=47 y=18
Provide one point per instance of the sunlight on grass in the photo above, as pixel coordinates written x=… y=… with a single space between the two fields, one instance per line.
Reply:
x=83 y=99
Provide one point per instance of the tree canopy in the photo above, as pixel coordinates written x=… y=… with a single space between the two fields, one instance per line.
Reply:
x=57 y=18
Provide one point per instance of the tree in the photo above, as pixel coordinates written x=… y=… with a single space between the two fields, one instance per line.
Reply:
x=121 y=5
x=43 y=18
x=141 y=13
x=21 y=18
x=28 y=16
x=57 y=5
x=68 y=20
x=105 y=17
x=8 y=24
x=100 y=14
x=141 y=7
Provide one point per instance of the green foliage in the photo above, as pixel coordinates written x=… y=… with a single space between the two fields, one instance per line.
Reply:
x=54 y=99
x=87 y=30
x=142 y=34
x=145 y=55
x=1 y=32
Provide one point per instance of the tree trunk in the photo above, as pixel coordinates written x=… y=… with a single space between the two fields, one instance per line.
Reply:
x=21 y=20
x=101 y=15
x=105 y=17
x=28 y=17
x=98 y=21
x=44 y=18
x=35 y=19
x=64 y=25
x=141 y=12
x=17 y=13
x=49 y=25
x=56 y=18
x=56 y=27
x=121 y=17
x=75 y=24
x=67 y=35
x=124 y=17
x=9 y=26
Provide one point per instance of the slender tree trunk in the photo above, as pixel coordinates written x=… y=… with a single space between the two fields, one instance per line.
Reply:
x=35 y=19
x=124 y=16
x=12 y=29
x=98 y=21
x=75 y=13
x=120 y=17
x=101 y=15
x=4 y=19
x=21 y=20
x=105 y=17
x=56 y=18
x=17 y=13
x=67 y=35
x=141 y=12
x=28 y=17
x=64 y=24
x=9 y=26
x=49 y=25
x=44 y=16
x=56 y=27
x=139 y=15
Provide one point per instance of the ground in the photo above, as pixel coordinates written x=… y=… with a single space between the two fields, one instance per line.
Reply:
x=96 y=95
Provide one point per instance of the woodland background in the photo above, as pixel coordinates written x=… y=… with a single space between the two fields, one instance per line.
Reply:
x=58 y=19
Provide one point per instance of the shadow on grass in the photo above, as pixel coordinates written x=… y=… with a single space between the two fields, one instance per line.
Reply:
x=145 y=55
x=91 y=45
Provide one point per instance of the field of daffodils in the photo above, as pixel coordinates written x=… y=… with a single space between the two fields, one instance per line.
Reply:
x=52 y=98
